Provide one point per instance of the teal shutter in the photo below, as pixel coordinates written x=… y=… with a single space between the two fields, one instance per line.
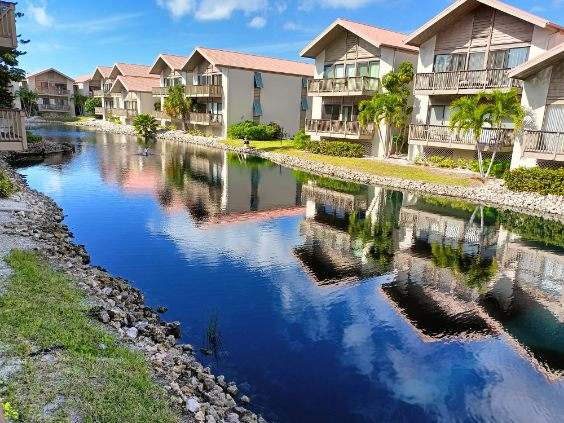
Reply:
x=305 y=106
x=258 y=80
x=257 y=108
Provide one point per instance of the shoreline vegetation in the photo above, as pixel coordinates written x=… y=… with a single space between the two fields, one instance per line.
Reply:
x=421 y=179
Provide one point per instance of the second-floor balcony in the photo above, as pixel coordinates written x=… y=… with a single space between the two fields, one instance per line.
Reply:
x=464 y=82
x=353 y=86
x=444 y=136
x=53 y=90
x=339 y=129
x=208 y=119
x=127 y=113
x=544 y=145
x=203 y=90
x=160 y=91
x=43 y=107
x=101 y=93
x=8 y=34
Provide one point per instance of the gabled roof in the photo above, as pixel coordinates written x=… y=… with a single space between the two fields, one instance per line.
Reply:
x=376 y=36
x=101 y=72
x=82 y=78
x=135 y=83
x=48 y=70
x=530 y=67
x=173 y=62
x=126 y=69
x=232 y=59
x=461 y=8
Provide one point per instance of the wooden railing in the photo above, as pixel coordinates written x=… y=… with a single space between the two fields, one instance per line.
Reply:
x=123 y=112
x=203 y=90
x=160 y=90
x=465 y=80
x=359 y=85
x=53 y=107
x=339 y=129
x=12 y=127
x=8 y=35
x=549 y=144
x=205 y=119
x=52 y=90
x=435 y=134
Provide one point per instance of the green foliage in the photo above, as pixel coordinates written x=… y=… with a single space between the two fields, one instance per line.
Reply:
x=91 y=103
x=176 y=104
x=146 y=126
x=249 y=130
x=100 y=379
x=28 y=99
x=157 y=106
x=301 y=140
x=197 y=132
x=10 y=412
x=79 y=101
x=490 y=213
x=536 y=179
x=498 y=168
x=532 y=228
x=113 y=119
x=32 y=138
x=248 y=161
x=330 y=183
x=9 y=73
x=332 y=148
x=7 y=187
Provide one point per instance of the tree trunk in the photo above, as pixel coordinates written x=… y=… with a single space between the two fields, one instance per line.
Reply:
x=480 y=158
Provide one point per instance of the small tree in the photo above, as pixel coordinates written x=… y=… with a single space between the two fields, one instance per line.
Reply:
x=177 y=105
x=91 y=103
x=146 y=127
x=392 y=106
x=27 y=98
x=79 y=101
x=471 y=114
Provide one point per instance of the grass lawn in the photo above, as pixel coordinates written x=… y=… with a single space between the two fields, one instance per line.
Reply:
x=84 y=370
x=375 y=167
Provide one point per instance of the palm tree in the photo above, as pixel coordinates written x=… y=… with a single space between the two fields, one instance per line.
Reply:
x=177 y=105
x=146 y=127
x=28 y=98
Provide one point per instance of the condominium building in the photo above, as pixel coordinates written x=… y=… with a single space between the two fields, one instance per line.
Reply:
x=542 y=140
x=169 y=68
x=350 y=60
x=12 y=120
x=470 y=47
x=228 y=87
x=55 y=91
x=85 y=85
x=101 y=78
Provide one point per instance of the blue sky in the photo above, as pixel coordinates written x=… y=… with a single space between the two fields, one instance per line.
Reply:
x=76 y=36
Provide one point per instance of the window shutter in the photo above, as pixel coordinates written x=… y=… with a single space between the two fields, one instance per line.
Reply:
x=305 y=106
x=304 y=82
x=257 y=108
x=258 y=80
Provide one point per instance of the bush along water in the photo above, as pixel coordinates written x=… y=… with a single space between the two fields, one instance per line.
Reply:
x=536 y=179
x=499 y=168
x=249 y=130
x=329 y=148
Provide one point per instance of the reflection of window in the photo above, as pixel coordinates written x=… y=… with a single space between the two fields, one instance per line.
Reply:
x=449 y=62
x=439 y=115
x=507 y=59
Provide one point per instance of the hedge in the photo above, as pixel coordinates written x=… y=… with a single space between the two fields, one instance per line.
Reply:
x=499 y=168
x=536 y=179
x=329 y=148
x=249 y=130
x=7 y=187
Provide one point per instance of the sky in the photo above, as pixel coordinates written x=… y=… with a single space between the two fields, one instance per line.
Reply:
x=75 y=36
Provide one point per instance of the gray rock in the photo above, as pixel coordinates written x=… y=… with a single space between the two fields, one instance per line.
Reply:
x=245 y=399
x=132 y=332
x=192 y=405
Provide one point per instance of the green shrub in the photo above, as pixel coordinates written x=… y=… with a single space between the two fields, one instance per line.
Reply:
x=331 y=148
x=196 y=132
x=301 y=140
x=113 y=119
x=7 y=187
x=499 y=168
x=91 y=103
x=536 y=179
x=250 y=130
x=31 y=137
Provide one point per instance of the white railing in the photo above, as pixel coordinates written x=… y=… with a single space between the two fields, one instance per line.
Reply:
x=465 y=80
x=544 y=142
x=446 y=135
x=353 y=85
x=12 y=126
x=338 y=128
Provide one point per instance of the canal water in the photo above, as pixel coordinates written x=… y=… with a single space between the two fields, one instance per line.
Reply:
x=327 y=301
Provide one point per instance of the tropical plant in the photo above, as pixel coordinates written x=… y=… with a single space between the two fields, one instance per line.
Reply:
x=91 y=103
x=79 y=101
x=471 y=114
x=391 y=106
x=146 y=127
x=28 y=99
x=177 y=105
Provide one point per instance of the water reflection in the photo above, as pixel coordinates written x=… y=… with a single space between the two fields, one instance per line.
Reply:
x=396 y=307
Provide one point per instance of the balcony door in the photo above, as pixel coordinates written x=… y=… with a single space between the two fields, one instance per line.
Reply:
x=554 y=118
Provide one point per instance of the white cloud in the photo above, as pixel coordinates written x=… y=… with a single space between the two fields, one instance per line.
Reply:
x=257 y=22
x=177 y=8
x=101 y=24
x=335 y=4
x=40 y=15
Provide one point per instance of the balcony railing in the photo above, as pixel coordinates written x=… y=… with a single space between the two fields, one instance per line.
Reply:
x=52 y=90
x=443 y=136
x=53 y=107
x=359 y=85
x=465 y=81
x=8 y=35
x=205 y=119
x=203 y=90
x=544 y=145
x=12 y=130
x=339 y=129
x=158 y=91
x=127 y=113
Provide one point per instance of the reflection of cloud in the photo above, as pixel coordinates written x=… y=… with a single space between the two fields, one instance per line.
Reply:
x=53 y=184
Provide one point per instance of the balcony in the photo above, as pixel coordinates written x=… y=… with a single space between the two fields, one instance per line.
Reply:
x=205 y=119
x=101 y=93
x=339 y=129
x=126 y=113
x=544 y=145
x=203 y=90
x=8 y=34
x=160 y=91
x=464 y=82
x=53 y=107
x=53 y=90
x=354 y=86
x=443 y=136
x=12 y=130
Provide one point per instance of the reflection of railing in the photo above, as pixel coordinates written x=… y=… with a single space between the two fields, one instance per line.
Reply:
x=203 y=90
x=465 y=80
x=12 y=129
x=358 y=85
x=444 y=136
x=339 y=128
x=544 y=144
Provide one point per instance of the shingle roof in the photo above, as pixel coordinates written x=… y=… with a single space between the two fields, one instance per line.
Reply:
x=136 y=83
x=530 y=67
x=173 y=61
x=232 y=59
x=126 y=69
x=104 y=72
x=376 y=36
x=462 y=7
x=48 y=70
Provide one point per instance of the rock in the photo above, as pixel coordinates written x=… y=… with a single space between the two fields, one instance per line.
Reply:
x=132 y=332
x=173 y=329
x=221 y=381
x=192 y=405
x=245 y=399
x=103 y=316
x=162 y=309
x=232 y=389
x=232 y=418
x=199 y=416
x=210 y=419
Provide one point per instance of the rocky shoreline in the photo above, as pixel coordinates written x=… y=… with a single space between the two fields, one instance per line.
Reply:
x=492 y=193
x=196 y=393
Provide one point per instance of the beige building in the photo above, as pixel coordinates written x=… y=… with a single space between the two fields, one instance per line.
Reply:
x=542 y=140
x=228 y=87
x=85 y=85
x=350 y=60
x=12 y=119
x=470 y=47
x=169 y=68
x=55 y=91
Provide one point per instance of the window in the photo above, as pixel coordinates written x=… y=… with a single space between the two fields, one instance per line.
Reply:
x=130 y=105
x=332 y=111
x=258 y=81
x=507 y=59
x=257 y=108
x=439 y=115
x=350 y=71
x=304 y=104
x=346 y=113
x=374 y=71
x=554 y=118
x=363 y=69
x=328 y=72
x=449 y=62
x=339 y=71
x=476 y=60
